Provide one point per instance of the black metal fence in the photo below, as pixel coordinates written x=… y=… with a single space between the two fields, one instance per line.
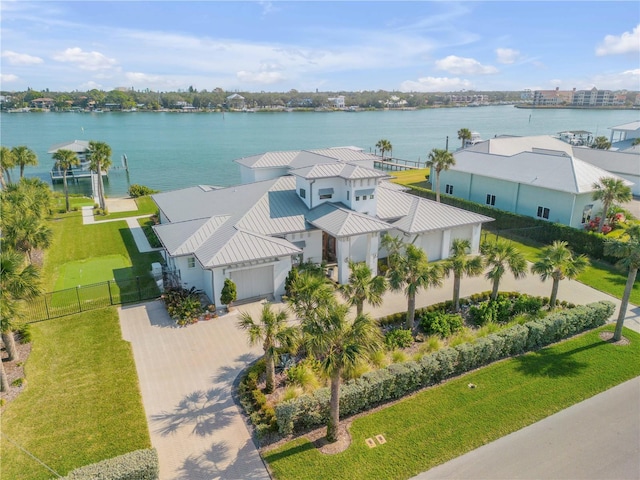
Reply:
x=89 y=297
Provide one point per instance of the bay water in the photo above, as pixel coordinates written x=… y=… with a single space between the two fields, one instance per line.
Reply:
x=168 y=150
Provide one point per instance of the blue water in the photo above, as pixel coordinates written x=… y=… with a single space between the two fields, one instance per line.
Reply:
x=167 y=151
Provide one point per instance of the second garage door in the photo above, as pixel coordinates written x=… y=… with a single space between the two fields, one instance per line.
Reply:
x=254 y=282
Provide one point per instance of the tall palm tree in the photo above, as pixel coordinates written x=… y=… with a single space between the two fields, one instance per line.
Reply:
x=464 y=134
x=100 y=161
x=17 y=282
x=501 y=256
x=411 y=272
x=363 y=287
x=557 y=262
x=440 y=160
x=384 y=146
x=339 y=344
x=7 y=162
x=65 y=160
x=274 y=333
x=24 y=156
x=629 y=254
x=461 y=263
x=609 y=191
x=310 y=295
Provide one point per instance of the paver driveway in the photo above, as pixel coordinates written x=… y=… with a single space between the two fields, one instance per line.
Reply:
x=186 y=377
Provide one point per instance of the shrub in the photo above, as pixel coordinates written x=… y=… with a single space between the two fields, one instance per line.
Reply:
x=136 y=191
x=229 y=293
x=183 y=305
x=527 y=304
x=398 y=338
x=440 y=323
x=24 y=333
x=138 y=465
x=303 y=376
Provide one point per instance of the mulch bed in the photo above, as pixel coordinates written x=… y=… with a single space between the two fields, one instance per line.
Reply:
x=14 y=371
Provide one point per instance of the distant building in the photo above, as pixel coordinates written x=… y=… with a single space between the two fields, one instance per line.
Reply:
x=42 y=103
x=552 y=97
x=337 y=102
x=236 y=101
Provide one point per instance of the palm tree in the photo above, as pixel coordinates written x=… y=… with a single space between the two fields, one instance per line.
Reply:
x=26 y=232
x=500 y=256
x=339 y=345
x=461 y=263
x=310 y=295
x=393 y=246
x=17 y=282
x=464 y=134
x=411 y=272
x=65 y=160
x=363 y=287
x=610 y=190
x=100 y=161
x=7 y=162
x=24 y=156
x=556 y=261
x=384 y=146
x=274 y=333
x=629 y=254
x=601 y=143
x=636 y=141
x=440 y=160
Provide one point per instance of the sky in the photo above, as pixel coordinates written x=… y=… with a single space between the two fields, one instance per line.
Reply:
x=277 y=46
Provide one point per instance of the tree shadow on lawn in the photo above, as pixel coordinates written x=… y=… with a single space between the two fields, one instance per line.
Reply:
x=206 y=411
x=211 y=463
x=548 y=363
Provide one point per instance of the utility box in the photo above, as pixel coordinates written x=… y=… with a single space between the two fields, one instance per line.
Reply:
x=156 y=270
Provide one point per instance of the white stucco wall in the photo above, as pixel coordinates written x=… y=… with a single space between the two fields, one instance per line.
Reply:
x=312 y=251
x=251 y=175
x=190 y=277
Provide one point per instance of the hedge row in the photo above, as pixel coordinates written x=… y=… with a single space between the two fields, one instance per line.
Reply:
x=397 y=380
x=581 y=241
x=138 y=465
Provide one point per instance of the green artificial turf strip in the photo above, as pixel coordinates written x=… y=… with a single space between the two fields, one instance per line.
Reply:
x=82 y=402
x=92 y=270
x=449 y=420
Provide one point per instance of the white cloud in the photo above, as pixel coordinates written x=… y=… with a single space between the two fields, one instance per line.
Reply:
x=464 y=66
x=435 y=84
x=90 y=86
x=625 y=43
x=507 y=55
x=14 y=58
x=8 y=77
x=262 y=77
x=92 y=61
x=626 y=80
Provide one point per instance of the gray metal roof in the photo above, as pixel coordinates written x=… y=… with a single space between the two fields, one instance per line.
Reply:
x=184 y=238
x=341 y=222
x=304 y=158
x=243 y=247
x=552 y=170
x=77 y=146
x=337 y=170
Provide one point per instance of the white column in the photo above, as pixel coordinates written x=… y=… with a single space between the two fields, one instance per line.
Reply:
x=475 y=238
x=446 y=247
x=342 y=254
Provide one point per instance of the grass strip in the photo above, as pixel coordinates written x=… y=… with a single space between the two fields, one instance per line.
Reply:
x=82 y=403
x=446 y=421
x=146 y=206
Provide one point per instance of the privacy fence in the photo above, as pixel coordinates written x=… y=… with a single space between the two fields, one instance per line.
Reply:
x=89 y=297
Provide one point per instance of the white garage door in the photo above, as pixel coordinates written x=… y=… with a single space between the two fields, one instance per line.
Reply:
x=254 y=282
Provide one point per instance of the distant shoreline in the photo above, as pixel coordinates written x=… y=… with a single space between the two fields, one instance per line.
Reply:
x=570 y=107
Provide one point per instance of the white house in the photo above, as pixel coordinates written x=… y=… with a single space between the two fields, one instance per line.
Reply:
x=332 y=211
x=551 y=185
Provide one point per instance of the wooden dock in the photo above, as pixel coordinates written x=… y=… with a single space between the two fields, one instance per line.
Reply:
x=397 y=164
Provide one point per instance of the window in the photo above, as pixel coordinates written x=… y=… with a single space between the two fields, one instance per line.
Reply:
x=370 y=197
x=357 y=199
x=303 y=193
x=543 y=212
x=325 y=193
x=586 y=213
x=449 y=189
x=348 y=194
x=491 y=199
x=191 y=262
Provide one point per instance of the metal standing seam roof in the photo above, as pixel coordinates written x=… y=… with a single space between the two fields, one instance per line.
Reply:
x=303 y=158
x=512 y=145
x=551 y=170
x=339 y=170
x=77 y=146
x=340 y=222
x=184 y=238
x=269 y=159
x=243 y=247
x=627 y=127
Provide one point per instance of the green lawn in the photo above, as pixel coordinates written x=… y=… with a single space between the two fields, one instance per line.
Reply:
x=146 y=206
x=82 y=402
x=92 y=270
x=446 y=421
x=412 y=177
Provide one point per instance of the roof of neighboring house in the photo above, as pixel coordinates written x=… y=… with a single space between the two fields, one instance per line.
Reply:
x=622 y=162
x=627 y=127
x=341 y=170
x=303 y=158
x=545 y=169
x=77 y=146
x=509 y=145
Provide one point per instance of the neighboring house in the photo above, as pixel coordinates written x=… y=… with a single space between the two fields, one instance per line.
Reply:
x=508 y=173
x=42 y=103
x=331 y=211
x=337 y=102
x=236 y=101
x=623 y=135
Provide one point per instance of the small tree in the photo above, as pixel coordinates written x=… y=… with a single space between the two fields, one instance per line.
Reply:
x=601 y=143
x=229 y=293
x=440 y=160
x=24 y=156
x=460 y=263
x=363 y=287
x=7 y=162
x=609 y=191
x=500 y=256
x=464 y=134
x=384 y=146
x=65 y=160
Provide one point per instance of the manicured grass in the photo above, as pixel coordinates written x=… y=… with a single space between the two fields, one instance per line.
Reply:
x=92 y=270
x=82 y=403
x=146 y=206
x=75 y=201
x=410 y=177
x=446 y=421
x=146 y=224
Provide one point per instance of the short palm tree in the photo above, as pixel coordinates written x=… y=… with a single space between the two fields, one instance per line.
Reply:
x=501 y=256
x=460 y=263
x=100 y=161
x=609 y=191
x=410 y=272
x=7 y=162
x=440 y=160
x=274 y=333
x=363 y=287
x=25 y=232
x=65 y=160
x=339 y=344
x=24 y=156
x=464 y=134
x=310 y=294
x=601 y=143
x=557 y=262
x=384 y=146
x=629 y=254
